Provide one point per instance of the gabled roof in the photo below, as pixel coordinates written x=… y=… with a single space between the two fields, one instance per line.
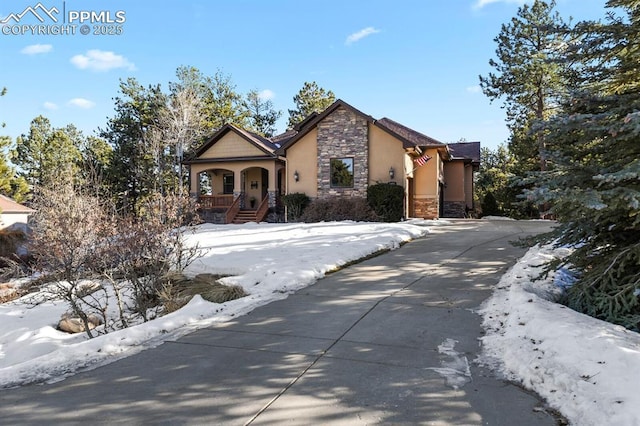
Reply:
x=7 y=205
x=469 y=151
x=260 y=142
x=310 y=122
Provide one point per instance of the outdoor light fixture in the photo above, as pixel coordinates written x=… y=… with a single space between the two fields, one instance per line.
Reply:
x=392 y=173
x=296 y=176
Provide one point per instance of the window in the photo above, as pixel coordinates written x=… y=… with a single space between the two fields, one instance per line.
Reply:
x=342 y=172
x=227 y=184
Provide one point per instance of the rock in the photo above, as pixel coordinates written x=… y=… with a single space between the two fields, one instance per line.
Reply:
x=71 y=324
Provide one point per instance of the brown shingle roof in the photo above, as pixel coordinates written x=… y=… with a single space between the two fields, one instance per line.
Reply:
x=7 y=205
x=409 y=136
x=465 y=151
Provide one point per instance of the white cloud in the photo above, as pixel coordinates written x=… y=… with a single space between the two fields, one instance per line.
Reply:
x=474 y=89
x=479 y=4
x=365 y=32
x=50 y=106
x=35 y=49
x=266 y=94
x=100 y=60
x=81 y=103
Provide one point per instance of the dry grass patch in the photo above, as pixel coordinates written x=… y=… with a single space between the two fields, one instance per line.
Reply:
x=178 y=289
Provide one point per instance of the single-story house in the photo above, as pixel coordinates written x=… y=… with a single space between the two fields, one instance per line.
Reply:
x=336 y=153
x=12 y=212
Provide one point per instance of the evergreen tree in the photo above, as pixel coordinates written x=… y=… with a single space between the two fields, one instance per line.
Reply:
x=529 y=77
x=11 y=185
x=133 y=173
x=311 y=98
x=594 y=181
x=262 y=116
x=46 y=155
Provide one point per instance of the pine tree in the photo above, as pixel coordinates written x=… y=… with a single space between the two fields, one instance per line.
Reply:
x=311 y=98
x=593 y=180
x=47 y=155
x=262 y=116
x=529 y=77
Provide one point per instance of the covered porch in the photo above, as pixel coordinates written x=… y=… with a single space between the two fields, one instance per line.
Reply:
x=237 y=191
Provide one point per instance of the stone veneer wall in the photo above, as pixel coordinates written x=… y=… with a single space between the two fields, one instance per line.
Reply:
x=426 y=208
x=455 y=208
x=343 y=134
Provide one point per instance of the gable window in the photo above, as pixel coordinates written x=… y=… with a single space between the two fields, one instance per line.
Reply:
x=342 y=172
x=227 y=184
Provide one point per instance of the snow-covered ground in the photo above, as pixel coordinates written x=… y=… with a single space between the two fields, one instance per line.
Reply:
x=267 y=260
x=585 y=368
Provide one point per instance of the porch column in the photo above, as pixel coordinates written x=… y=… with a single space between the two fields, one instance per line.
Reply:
x=272 y=189
x=194 y=183
x=237 y=187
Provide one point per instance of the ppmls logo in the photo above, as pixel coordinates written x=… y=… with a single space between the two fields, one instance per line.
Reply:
x=50 y=21
x=38 y=11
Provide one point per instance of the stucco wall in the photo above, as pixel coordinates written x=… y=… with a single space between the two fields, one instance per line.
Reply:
x=8 y=219
x=385 y=152
x=426 y=182
x=454 y=178
x=303 y=158
x=232 y=145
x=468 y=185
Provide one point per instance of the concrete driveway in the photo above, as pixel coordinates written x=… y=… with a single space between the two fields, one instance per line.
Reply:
x=388 y=341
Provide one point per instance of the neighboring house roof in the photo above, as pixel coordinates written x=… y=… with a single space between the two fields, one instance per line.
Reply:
x=7 y=205
x=409 y=137
x=260 y=142
x=468 y=151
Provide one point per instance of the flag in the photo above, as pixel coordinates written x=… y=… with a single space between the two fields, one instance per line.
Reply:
x=421 y=161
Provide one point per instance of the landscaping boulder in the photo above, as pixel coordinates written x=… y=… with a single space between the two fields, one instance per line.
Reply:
x=73 y=324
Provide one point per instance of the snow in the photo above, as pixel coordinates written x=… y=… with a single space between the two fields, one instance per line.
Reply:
x=267 y=260
x=585 y=368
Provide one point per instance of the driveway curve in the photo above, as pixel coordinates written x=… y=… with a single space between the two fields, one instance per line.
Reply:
x=390 y=340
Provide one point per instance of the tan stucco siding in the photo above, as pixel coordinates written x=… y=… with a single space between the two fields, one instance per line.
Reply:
x=426 y=177
x=232 y=145
x=454 y=179
x=468 y=185
x=303 y=158
x=385 y=152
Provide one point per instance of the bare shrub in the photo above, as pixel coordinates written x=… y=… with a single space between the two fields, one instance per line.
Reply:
x=68 y=227
x=335 y=209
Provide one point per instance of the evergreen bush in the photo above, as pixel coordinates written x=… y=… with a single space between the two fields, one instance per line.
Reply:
x=386 y=200
x=295 y=203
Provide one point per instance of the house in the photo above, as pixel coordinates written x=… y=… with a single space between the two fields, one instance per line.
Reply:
x=12 y=212
x=336 y=153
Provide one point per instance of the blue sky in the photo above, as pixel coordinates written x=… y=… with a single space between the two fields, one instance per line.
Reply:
x=416 y=62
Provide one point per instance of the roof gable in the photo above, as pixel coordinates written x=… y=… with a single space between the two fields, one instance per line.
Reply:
x=312 y=121
x=256 y=144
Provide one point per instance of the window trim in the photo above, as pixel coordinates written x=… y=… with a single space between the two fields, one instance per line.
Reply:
x=331 y=162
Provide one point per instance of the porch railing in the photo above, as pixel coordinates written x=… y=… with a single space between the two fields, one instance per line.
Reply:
x=232 y=211
x=215 y=201
x=262 y=210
